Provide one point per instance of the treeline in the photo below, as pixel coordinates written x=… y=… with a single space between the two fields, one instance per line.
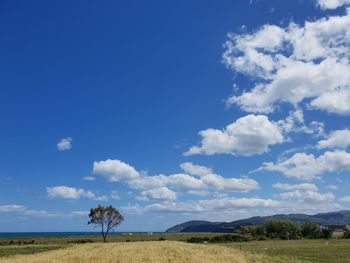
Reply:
x=273 y=229
x=283 y=229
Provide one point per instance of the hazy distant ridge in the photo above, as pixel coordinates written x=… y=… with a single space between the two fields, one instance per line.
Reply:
x=331 y=218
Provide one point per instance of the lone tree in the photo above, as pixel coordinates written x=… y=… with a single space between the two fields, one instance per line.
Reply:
x=107 y=217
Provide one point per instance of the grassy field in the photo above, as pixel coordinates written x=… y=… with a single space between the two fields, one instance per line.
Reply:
x=6 y=251
x=111 y=238
x=155 y=252
x=316 y=251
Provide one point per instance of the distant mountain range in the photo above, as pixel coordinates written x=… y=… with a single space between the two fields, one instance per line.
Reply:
x=325 y=219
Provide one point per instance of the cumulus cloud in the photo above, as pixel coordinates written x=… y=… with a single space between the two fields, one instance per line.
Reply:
x=195 y=169
x=115 y=170
x=332 y=187
x=299 y=64
x=115 y=195
x=72 y=193
x=162 y=193
x=24 y=211
x=292 y=187
x=345 y=199
x=89 y=178
x=332 y=4
x=295 y=123
x=339 y=139
x=210 y=181
x=249 y=135
x=65 y=144
x=206 y=180
x=308 y=196
x=80 y=213
x=307 y=167
x=11 y=208
x=218 y=182
x=211 y=205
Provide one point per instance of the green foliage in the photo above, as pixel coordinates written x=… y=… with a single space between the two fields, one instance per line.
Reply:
x=229 y=238
x=282 y=229
x=311 y=230
x=255 y=231
x=10 y=250
x=107 y=217
x=346 y=234
x=198 y=240
x=220 y=239
x=326 y=233
x=79 y=241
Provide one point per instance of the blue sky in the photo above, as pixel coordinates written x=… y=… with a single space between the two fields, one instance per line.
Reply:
x=172 y=110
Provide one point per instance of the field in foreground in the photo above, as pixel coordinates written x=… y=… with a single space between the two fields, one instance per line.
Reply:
x=315 y=251
x=137 y=252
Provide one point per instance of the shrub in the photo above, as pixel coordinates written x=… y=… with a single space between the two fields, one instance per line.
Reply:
x=346 y=234
x=229 y=238
x=311 y=230
x=326 y=233
x=282 y=229
x=80 y=241
x=198 y=240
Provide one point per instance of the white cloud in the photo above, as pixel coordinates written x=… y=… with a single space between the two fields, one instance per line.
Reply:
x=184 y=181
x=39 y=213
x=218 y=182
x=11 y=208
x=333 y=101
x=211 y=205
x=24 y=211
x=195 y=169
x=332 y=187
x=147 y=182
x=339 y=139
x=308 y=196
x=162 y=193
x=80 y=213
x=65 y=144
x=345 y=199
x=115 y=170
x=72 y=193
x=115 y=195
x=332 y=4
x=249 y=135
x=307 y=167
x=89 y=178
x=292 y=187
x=199 y=192
x=295 y=123
x=297 y=64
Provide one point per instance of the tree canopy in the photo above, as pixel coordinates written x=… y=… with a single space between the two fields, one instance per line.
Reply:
x=107 y=217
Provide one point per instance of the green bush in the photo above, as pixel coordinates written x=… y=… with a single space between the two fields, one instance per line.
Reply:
x=346 y=234
x=198 y=240
x=229 y=238
x=282 y=229
x=311 y=230
x=326 y=233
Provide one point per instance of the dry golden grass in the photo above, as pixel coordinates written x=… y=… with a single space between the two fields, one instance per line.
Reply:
x=137 y=252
